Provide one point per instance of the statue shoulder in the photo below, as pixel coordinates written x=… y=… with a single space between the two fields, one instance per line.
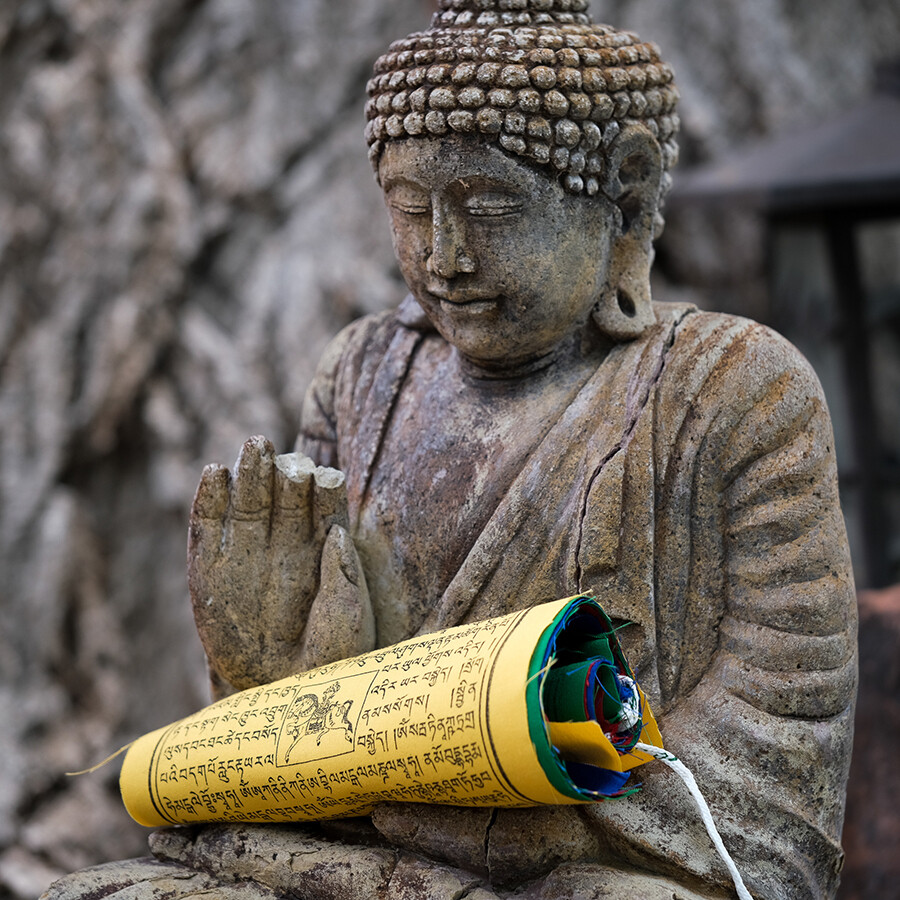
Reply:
x=350 y=357
x=732 y=350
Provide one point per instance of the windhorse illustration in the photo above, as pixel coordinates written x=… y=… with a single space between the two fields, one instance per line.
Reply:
x=315 y=717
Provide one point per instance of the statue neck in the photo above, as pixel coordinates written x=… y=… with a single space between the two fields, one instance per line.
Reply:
x=572 y=354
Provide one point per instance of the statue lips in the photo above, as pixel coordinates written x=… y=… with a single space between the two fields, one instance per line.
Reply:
x=468 y=300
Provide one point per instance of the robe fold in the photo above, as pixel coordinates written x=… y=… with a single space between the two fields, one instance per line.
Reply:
x=691 y=485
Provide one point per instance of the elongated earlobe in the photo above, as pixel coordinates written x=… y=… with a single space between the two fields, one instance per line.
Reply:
x=622 y=315
x=624 y=310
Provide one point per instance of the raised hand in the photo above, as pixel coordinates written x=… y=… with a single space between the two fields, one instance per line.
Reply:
x=275 y=581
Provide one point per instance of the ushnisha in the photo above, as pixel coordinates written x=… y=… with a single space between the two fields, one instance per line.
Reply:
x=538 y=78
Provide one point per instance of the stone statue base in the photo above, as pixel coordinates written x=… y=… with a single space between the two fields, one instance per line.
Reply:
x=263 y=862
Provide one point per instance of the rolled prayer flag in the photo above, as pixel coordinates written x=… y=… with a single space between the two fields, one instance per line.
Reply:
x=535 y=707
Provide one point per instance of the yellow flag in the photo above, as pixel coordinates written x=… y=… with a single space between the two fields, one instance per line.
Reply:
x=454 y=717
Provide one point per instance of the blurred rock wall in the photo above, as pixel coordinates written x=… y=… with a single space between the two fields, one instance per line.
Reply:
x=186 y=216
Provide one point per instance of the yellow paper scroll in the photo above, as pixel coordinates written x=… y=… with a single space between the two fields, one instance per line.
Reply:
x=436 y=719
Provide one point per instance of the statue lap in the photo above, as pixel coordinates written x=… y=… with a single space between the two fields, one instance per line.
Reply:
x=246 y=862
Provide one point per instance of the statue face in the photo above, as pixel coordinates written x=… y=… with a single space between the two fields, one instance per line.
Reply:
x=504 y=262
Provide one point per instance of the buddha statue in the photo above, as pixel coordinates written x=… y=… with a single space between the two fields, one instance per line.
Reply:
x=526 y=425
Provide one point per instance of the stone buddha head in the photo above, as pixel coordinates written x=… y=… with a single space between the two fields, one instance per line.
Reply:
x=524 y=154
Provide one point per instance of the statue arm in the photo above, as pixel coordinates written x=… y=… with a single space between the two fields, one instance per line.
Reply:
x=756 y=622
x=318 y=437
x=784 y=676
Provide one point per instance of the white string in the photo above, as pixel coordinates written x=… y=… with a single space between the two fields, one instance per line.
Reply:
x=674 y=763
x=100 y=765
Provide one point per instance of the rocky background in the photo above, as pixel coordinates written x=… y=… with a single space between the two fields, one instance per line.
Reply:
x=186 y=216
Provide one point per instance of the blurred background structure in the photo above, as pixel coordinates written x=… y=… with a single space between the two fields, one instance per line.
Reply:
x=829 y=197
x=187 y=215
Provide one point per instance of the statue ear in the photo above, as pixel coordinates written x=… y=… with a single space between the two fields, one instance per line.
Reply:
x=633 y=178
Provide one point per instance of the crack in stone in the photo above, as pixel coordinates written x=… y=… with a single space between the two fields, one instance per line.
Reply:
x=623 y=442
x=487 y=841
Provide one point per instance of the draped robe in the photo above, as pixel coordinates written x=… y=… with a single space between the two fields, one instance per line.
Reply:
x=691 y=485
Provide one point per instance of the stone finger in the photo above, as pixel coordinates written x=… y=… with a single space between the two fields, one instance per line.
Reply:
x=455 y=834
x=294 y=482
x=341 y=623
x=330 y=499
x=292 y=541
x=248 y=521
x=135 y=878
x=213 y=492
x=208 y=511
x=205 y=533
x=340 y=552
x=251 y=495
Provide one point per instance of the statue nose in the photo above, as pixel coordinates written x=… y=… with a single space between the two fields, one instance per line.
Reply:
x=449 y=256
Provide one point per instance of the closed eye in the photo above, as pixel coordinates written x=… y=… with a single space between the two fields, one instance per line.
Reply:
x=411 y=209
x=493 y=204
x=408 y=199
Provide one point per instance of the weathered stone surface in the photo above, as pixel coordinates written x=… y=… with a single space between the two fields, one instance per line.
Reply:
x=298 y=861
x=420 y=829
x=289 y=860
x=507 y=846
x=158 y=880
